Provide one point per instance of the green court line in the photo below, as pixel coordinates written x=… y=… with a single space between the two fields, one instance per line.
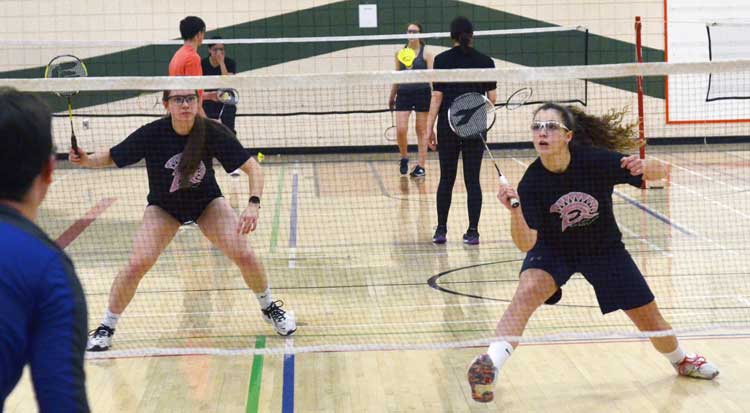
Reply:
x=253 y=391
x=277 y=209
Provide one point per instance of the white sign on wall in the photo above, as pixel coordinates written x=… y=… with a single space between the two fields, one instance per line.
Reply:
x=368 y=15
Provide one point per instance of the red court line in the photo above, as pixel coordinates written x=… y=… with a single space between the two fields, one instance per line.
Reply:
x=80 y=225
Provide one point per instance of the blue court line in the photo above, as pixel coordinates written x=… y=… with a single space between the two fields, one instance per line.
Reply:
x=654 y=214
x=287 y=398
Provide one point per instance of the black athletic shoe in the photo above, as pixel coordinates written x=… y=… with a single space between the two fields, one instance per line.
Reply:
x=418 y=172
x=440 y=235
x=471 y=237
x=404 y=166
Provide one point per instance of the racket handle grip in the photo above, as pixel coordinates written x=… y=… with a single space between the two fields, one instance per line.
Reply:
x=514 y=202
x=74 y=143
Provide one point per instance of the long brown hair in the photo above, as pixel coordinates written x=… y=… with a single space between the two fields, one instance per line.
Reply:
x=195 y=148
x=607 y=131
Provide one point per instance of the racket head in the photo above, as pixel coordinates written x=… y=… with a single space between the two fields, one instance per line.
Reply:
x=390 y=134
x=406 y=56
x=471 y=115
x=64 y=67
x=518 y=98
x=228 y=96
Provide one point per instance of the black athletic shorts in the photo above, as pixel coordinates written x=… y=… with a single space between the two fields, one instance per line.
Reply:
x=186 y=213
x=617 y=281
x=417 y=100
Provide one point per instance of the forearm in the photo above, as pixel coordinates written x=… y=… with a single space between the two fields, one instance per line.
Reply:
x=256 y=182
x=654 y=170
x=435 y=101
x=99 y=160
x=523 y=236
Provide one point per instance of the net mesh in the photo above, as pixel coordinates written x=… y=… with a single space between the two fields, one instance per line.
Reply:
x=346 y=241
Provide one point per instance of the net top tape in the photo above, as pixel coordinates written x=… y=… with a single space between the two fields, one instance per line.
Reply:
x=340 y=80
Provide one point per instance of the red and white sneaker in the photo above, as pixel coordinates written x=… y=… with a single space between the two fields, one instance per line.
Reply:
x=695 y=365
x=482 y=374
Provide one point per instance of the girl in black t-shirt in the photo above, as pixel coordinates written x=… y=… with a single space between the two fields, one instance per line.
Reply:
x=179 y=150
x=450 y=146
x=408 y=97
x=565 y=224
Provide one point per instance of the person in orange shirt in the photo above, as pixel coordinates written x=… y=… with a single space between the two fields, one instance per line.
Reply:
x=186 y=61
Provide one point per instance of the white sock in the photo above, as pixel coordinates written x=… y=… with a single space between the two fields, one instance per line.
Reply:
x=264 y=298
x=499 y=352
x=110 y=319
x=676 y=356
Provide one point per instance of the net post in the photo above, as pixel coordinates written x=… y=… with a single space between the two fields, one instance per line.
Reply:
x=639 y=84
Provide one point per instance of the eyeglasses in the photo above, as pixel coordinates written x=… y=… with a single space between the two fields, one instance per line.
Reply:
x=412 y=31
x=182 y=99
x=217 y=49
x=548 y=125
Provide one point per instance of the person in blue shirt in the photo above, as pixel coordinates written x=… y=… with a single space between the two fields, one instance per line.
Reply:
x=43 y=319
x=566 y=224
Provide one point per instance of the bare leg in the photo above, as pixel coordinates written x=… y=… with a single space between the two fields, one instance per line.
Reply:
x=534 y=287
x=219 y=224
x=402 y=124
x=649 y=318
x=156 y=231
x=421 y=126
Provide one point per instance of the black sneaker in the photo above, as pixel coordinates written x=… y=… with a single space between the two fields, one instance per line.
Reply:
x=418 y=172
x=440 y=235
x=100 y=339
x=404 y=166
x=471 y=237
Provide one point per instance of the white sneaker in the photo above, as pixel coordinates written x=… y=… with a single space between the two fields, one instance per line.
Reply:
x=482 y=374
x=282 y=321
x=100 y=339
x=695 y=365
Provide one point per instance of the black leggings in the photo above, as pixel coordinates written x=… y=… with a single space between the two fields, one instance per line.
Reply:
x=449 y=148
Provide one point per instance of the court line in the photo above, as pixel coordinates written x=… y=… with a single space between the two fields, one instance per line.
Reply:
x=698 y=174
x=70 y=234
x=277 y=210
x=253 y=390
x=293 y=218
x=654 y=213
x=316 y=180
x=287 y=393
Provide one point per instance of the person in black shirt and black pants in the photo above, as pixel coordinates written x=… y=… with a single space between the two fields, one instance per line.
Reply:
x=217 y=64
x=450 y=146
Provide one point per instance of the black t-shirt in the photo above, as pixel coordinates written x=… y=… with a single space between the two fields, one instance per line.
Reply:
x=572 y=211
x=162 y=148
x=209 y=70
x=455 y=59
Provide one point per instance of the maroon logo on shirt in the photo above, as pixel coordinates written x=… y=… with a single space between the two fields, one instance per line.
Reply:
x=195 y=179
x=576 y=209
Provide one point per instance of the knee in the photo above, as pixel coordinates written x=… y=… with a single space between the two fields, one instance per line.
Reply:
x=138 y=267
x=534 y=288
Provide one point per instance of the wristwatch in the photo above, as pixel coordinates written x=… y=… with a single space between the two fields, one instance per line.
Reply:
x=254 y=200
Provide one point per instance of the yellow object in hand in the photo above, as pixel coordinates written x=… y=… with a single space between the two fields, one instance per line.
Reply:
x=260 y=157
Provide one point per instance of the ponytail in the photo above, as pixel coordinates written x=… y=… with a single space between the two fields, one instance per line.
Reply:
x=194 y=151
x=462 y=31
